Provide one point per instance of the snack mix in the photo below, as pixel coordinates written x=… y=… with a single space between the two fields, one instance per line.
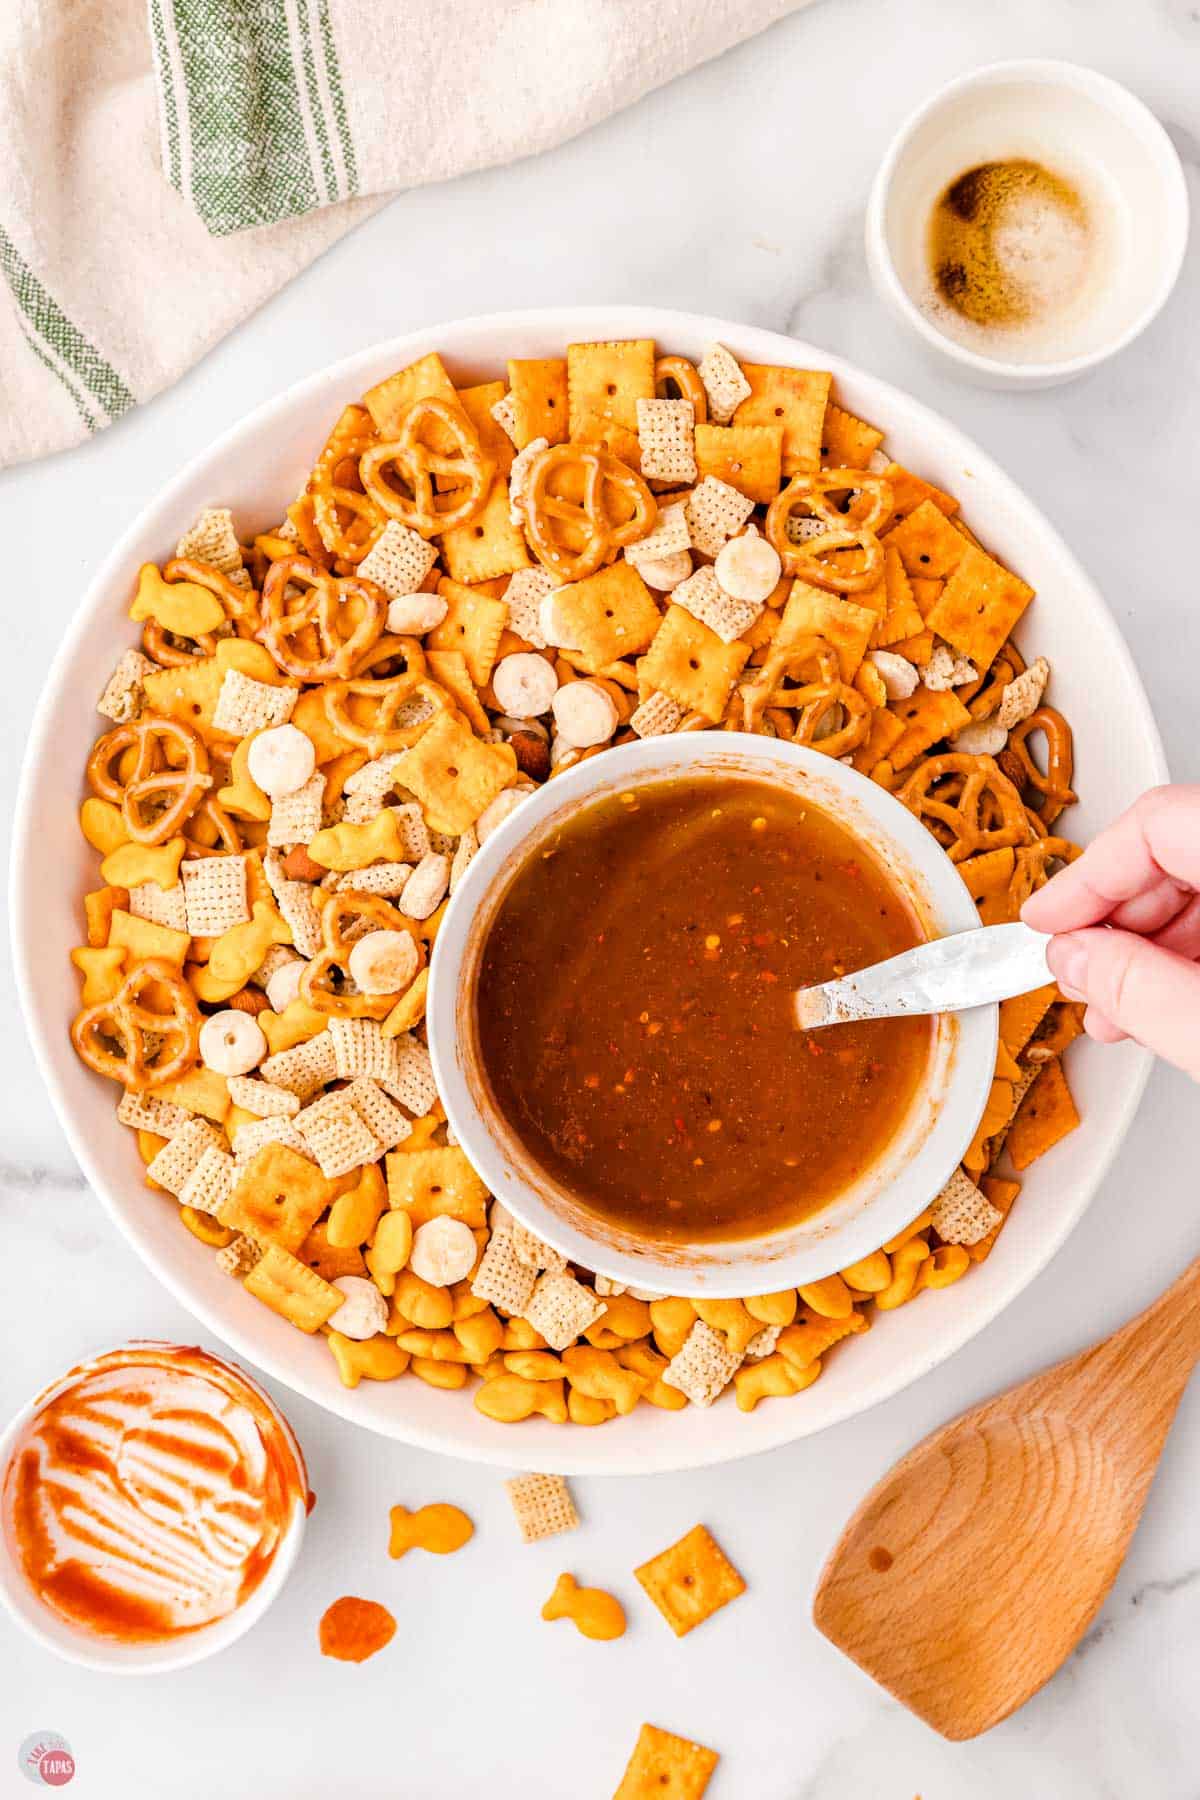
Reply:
x=478 y=587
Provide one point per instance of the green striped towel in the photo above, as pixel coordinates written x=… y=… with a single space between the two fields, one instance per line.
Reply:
x=204 y=151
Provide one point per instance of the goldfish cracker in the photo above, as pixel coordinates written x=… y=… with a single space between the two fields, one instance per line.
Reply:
x=434 y=1346
x=588 y=1409
x=773 y=1378
x=207 y=988
x=671 y=1320
x=149 y=1144
x=438 y=1374
x=98 y=909
x=240 y=950
x=102 y=825
x=209 y=1230
x=199 y=1091
x=772 y=1309
x=623 y=1322
x=243 y=798
x=829 y=1297
x=467 y=1304
x=430 y=1308
x=409 y=1010
x=356 y=1214
x=597 y=1375
x=374 y=1359
x=480 y=1335
x=439 y=1528
x=519 y=1334
x=594 y=1613
x=508 y=1399
x=645 y=1361
x=183 y=608
x=731 y=1318
x=346 y=847
x=103 y=971
x=802 y=1343
x=294 y=1025
x=946 y=1265
x=310 y=717
x=906 y=1265
x=130 y=865
x=534 y=1365
x=870 y=1275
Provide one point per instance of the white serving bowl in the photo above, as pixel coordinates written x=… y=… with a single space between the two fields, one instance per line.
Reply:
x=257 y=467
x=109 y=1656
x=914 y=1167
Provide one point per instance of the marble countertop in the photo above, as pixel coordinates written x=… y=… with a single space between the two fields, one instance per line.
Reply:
x=738 y=191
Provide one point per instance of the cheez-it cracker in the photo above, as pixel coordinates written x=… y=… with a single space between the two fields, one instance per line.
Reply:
x=311 y=731
x=666 y=1767
x=691 y=1580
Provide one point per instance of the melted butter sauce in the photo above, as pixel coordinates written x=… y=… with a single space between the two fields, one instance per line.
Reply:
x=148 y=1495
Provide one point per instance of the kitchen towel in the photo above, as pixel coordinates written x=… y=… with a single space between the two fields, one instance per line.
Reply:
x=165 y=170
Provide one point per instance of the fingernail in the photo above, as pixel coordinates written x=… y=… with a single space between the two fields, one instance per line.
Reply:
x=1068 y=960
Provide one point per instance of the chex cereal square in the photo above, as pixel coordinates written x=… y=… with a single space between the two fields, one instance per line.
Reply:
x=500 y=1279
x=398 y=560
x=703 y=1367
x=562 y=1309
x=124 y=696
x=724 y=382
x=386 y=1123
x=245 y=705
x=212 y=539
x=336 y=1135
x=543 y=1505
x=214 y=890
x=296 y=818
x=410 y=1078
x=666 y=432
x=210 y=1183
x=181 y=1153
x=715 y=512
x=704 y=597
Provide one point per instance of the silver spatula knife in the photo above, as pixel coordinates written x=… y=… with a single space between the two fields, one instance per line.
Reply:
x=950 y=974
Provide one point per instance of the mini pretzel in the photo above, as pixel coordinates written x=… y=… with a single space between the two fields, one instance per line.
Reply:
x=1029 y=871
x=170 y=651
x=334 y=494
x=345 y=917
x=1055 y=785
x=381 y=701
x=322 y=631
x=415 y=464
x=818 y=691
x=155 y=1046
x=555 y=523
x=678 y=373
x=853 y=530
x=967 y=803
x=170 y=775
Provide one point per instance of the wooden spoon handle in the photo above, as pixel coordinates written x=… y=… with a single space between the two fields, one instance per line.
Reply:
x=1144 y=1367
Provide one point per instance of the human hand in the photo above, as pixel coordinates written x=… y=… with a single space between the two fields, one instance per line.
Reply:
x=1126 y=923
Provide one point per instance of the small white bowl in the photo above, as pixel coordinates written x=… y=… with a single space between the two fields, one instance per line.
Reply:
x=1077 y=123
x=108 y=1656
x=914 y=1167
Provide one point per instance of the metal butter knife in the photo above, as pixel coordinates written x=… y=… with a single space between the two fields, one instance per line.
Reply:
x=950 y=974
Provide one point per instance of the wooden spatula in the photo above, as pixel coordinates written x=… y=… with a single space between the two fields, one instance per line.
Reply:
x=973 y=1569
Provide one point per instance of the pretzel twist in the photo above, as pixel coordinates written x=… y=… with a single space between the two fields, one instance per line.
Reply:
x=855 y=530
x=554 y=522
x=320 y=632
x=415 y=464
x=968 y=804
x=1055 y=785
x=169 y=778
x=154 y=1046
x=381 y=701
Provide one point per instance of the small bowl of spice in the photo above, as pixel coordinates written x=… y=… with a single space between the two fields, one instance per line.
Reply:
x=613 y=1027
x=152 y=1504
x=1028 y=221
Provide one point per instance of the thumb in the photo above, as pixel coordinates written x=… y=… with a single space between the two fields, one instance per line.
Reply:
x=1148 y=993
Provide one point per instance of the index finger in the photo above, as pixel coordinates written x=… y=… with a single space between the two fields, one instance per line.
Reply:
x=1159 y=837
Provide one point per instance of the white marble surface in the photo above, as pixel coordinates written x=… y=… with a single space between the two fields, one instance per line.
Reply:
x=738 y=191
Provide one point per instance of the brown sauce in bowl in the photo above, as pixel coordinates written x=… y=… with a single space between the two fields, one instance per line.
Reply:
x=633 y=1009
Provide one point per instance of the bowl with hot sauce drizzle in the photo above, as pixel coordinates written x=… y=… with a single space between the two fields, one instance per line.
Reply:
x=152 y=1503
x=612 y=1031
